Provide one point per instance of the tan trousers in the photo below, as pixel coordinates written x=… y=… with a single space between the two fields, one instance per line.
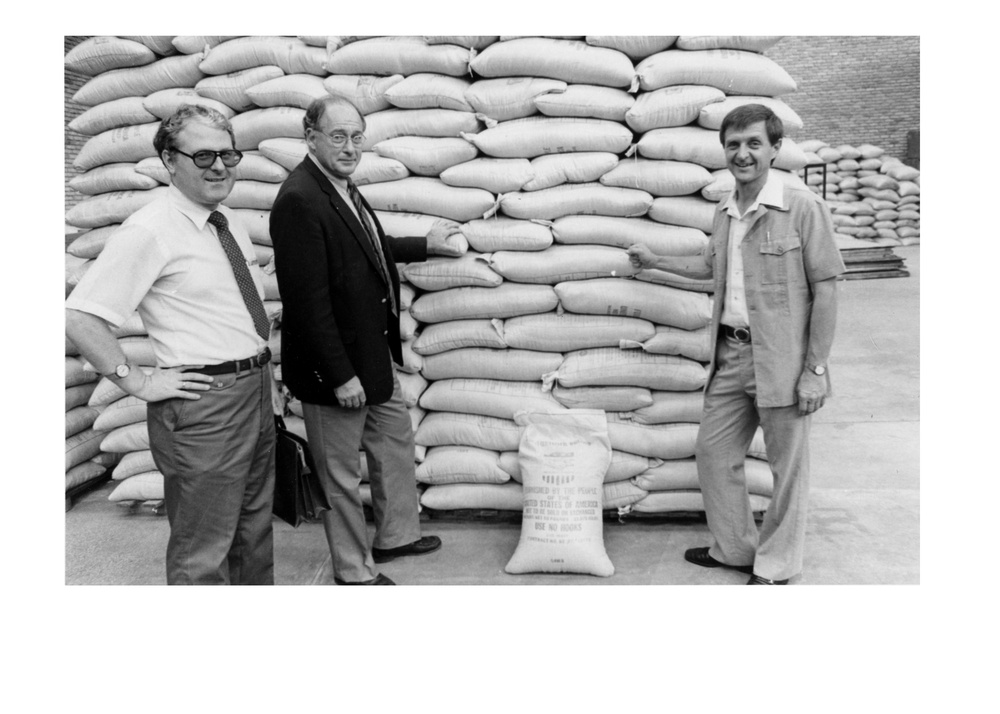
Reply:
x=385 y=433
x=728 y=424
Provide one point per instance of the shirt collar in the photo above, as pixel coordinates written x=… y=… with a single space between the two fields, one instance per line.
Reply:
x=772 y=194
x=337 y=182
x=197 y=213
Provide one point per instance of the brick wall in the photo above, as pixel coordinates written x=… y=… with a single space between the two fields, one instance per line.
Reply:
x=854 y=89
x=72 y=82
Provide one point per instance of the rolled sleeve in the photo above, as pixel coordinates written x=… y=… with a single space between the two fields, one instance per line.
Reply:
x=821 y=257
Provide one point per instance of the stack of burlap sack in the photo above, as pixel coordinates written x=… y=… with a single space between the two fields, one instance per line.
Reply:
x=85 y=462
x=872 y=196
x=555 y=155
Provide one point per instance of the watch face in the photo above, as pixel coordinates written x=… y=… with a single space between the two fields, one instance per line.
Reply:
x=122 y=371
x=820 y=370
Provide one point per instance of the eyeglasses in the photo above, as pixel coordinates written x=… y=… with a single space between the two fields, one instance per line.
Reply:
x=204 y=159
x=339 y=138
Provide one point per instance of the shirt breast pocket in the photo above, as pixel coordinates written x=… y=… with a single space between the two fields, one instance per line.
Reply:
x=779 y=255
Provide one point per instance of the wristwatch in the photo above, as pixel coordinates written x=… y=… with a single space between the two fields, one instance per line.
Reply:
x=121 y=371
x=817 y=369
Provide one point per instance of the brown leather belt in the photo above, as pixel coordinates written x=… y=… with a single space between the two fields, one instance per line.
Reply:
x=740 y=334
x=239 y=365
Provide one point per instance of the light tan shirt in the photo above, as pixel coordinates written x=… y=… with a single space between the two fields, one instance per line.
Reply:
x=734 y=307
x=167 y=262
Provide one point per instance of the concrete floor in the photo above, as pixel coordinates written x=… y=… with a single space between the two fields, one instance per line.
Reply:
x=864 y=523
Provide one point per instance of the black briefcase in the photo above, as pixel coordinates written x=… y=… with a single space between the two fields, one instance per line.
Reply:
x=298 y=495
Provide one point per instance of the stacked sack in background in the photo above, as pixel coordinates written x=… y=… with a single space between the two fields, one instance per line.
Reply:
x=85 y=461
x=555 y=154
x=872 y=197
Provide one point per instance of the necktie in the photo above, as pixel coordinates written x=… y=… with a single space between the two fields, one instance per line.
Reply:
x=355 y=195
x=239 y=264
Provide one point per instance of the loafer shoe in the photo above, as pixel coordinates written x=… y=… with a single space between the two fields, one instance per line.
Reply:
x=427 y=544
x=758 y=580
x=377 y=580
x=700 y=556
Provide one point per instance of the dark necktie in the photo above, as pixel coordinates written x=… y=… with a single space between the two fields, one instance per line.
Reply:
x=355 y=194
x=247 y=289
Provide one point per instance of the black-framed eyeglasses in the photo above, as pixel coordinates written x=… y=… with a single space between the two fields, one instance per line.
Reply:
x=205 y=158
x=339 y=138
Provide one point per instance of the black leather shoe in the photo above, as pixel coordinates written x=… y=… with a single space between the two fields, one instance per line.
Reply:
x=427 y=544
x=700 y=556
x=377 y=580
x=757 y=580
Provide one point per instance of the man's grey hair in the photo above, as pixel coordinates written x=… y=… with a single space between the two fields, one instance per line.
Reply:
x=166 y=135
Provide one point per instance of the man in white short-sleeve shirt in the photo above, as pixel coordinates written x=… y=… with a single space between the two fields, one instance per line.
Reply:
x=187 y=265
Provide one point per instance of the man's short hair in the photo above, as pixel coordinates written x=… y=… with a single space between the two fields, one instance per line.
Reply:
x=318 y=108
x=166 y=135
x=743 y=116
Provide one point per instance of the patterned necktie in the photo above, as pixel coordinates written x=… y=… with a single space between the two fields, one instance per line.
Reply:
x=247 y=289
x=355 y=194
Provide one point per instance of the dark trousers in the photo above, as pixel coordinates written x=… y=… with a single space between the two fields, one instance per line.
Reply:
x=217 y=458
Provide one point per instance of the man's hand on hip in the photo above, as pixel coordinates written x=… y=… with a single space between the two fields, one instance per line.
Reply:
x=811 y=391
x=160 y=384
x=350 y=395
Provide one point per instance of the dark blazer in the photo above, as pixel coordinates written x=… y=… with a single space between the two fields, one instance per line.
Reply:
x=336 y=320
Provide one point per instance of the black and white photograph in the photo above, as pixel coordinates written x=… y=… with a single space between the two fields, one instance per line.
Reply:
x=566 y=333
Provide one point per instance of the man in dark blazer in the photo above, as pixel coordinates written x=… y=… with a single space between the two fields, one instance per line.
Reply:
x=339 y=288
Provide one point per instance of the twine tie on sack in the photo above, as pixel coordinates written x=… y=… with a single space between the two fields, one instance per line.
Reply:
x=355 y=195
x=239 y=264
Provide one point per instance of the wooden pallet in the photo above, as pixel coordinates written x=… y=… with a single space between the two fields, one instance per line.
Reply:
x=874 y=262
x=81 y=489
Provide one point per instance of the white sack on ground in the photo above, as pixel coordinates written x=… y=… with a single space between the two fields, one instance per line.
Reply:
x=563 y=460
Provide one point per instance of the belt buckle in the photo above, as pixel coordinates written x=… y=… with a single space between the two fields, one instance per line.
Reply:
x=741 y=334
x=263 y=358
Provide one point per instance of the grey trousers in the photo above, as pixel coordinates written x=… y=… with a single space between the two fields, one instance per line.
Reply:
x=385 y=433
x=729 y=421
x=217 y=458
